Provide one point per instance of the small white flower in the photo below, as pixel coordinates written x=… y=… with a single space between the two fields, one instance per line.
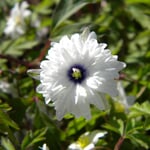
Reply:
x=123 y=102
x=87 y=141
x=78 y=72
x=16 y=25
x=44 y=147
x=5 y=87
x=8 y=88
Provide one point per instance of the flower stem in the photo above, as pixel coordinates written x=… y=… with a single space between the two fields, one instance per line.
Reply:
x=119 y=143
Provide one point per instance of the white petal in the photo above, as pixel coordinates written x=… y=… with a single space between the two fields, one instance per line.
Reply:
x=89 y=147
x=109 y=87
x=80 y=93
x=92 y=35
x=98 y=135
x=26 y=13
x=77 y=42
x=24 y=5
x=74 y=146
x=82 y=109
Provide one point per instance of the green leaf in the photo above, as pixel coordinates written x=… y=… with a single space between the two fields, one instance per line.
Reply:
x=147 y=123
x=17 y=47
x=115 y=126
x=144 y=34
x=133 y=126
x=140 y=109
x=7 y=144
x=66 y=30
x=44 y=7
x=4 y=45
x=27 y=45
x=4 y=106
x=137 y=14
x=42 y=118
x=5 y=130
x=137 y=1
x=75 y=126
x=140 y=139
x=65 y=9
x=31 y=138
x=6 y=120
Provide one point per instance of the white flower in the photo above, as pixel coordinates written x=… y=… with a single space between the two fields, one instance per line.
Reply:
x=44 y=147
x=8 y=88
x=87 y=141
x=16 y=25
x=123 y=102
x=78 y=72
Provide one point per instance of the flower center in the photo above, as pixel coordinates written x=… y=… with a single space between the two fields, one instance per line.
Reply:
x=18 y=19
x=83 y=141
x=77 y=73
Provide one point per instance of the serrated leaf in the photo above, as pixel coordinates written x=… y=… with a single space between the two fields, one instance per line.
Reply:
x=140 y=109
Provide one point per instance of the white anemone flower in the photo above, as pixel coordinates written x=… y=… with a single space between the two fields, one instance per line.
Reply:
x=87 y=141
x=16 y=25
x=78 y=72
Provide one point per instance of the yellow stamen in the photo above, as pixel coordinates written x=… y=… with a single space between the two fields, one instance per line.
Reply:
x=18 y=19
x=76 y=73
x=83 y=141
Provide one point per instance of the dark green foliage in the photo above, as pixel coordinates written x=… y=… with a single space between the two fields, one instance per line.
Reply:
x=26 y=122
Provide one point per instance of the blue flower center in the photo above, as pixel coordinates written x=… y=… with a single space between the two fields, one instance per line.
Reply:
x=77 y=73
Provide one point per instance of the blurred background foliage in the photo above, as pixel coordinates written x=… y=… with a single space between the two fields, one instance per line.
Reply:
x=26 y=122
